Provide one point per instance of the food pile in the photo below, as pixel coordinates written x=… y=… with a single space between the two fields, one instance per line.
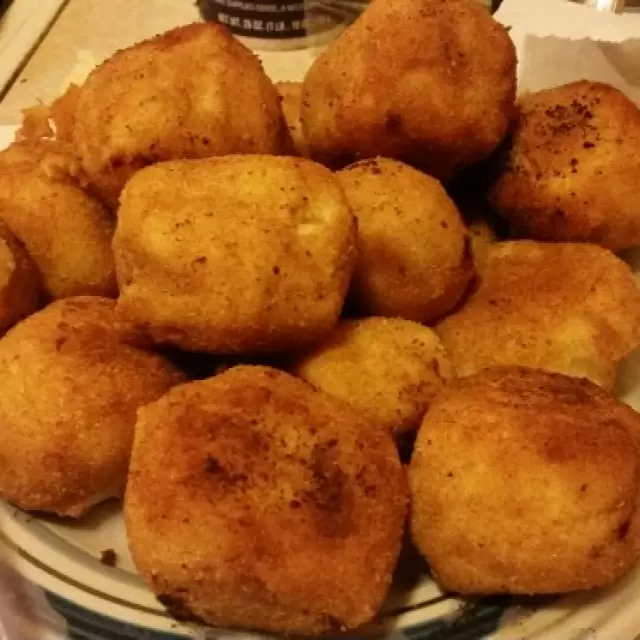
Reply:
x=284 y=323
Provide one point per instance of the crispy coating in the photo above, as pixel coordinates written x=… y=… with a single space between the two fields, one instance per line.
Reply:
x=388 y=368
x=569 y=308
x=62 y=114
x=53 y=121
x=526 y=482
x=71 y=388
x=431 y=82
x=572 y=174
x=414 y=258
x=36 y=124
x=46 y=155
x=65 y=230
x=238 y=254
x=20 y=292
x=191 y=92
x=290 y=93
x=251 y=500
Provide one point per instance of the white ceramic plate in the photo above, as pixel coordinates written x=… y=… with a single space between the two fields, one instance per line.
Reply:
x=101 y=602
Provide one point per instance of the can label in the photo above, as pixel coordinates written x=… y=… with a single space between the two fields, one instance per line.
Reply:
x=276 y=20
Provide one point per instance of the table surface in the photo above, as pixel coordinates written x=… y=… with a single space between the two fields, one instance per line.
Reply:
x=86 y=32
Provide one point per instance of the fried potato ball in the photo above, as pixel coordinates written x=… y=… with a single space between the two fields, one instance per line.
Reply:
x=71 y=387
x=388 y=368
x=66 y=232
x=572 y=174
x=414 y=258
x=426 y=81
x=191 y=92
x=250 y=504
x=240 y=254
x=526 y=482
x=569 y=308
x=290 y=93
x=20 y=293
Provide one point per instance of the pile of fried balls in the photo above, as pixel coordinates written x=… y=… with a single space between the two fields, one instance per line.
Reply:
x=284 y=322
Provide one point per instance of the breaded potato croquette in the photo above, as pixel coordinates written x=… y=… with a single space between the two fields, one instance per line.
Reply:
x=192 y=92
x=526 y=482
x=71 y=386
x=239 y=254
x=388 y=368
x=66 y=231
x=572 y=173
x=426 y=81
x=255 y=501
x=414 y=257
x=290 y=93
x=566 y=307
x=20 y=292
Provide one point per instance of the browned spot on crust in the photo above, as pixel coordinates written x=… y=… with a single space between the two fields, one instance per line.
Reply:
x=330 y=493
x=623 y=529
x=177 y=607
x=212 y=466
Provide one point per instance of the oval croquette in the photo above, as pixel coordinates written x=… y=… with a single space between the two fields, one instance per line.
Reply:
x=526 y=482
x=191 y=92
x=572 y=173
x=430 y=82
x=566 y=307
x=414 y=252
x=234 y=255
x=388 y=368
x=71 y=387
x=255 y=501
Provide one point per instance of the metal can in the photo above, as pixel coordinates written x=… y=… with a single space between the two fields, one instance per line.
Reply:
x=283 y=25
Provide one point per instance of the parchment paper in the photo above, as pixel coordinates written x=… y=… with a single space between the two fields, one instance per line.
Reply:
x=560 y=41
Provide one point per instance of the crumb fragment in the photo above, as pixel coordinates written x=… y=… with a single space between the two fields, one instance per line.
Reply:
x=108 y=557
